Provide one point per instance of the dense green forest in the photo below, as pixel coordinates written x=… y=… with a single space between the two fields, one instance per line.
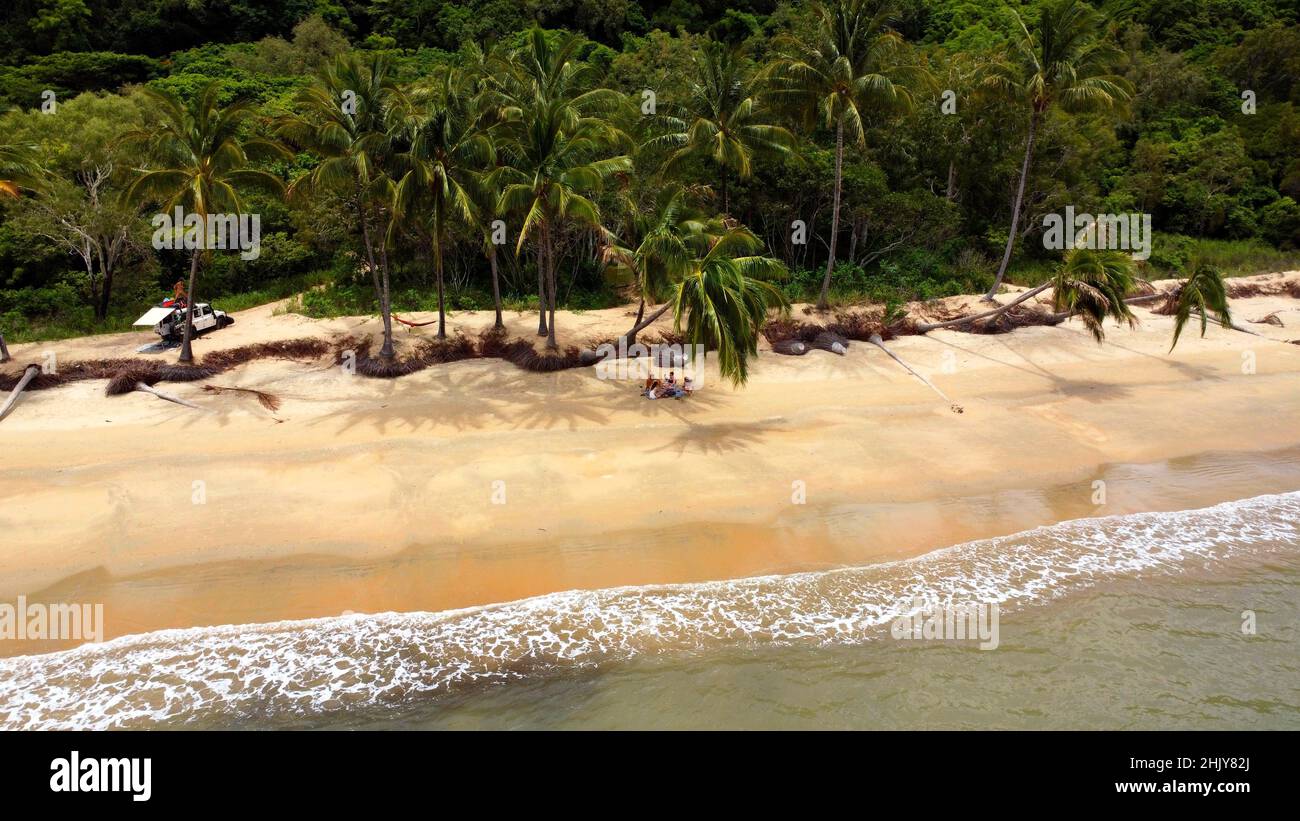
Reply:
x=622 y=142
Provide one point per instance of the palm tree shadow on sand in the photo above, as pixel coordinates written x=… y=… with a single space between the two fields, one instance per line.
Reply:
x=720 y=438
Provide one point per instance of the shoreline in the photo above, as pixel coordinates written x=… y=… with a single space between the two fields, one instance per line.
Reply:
x=605 y=489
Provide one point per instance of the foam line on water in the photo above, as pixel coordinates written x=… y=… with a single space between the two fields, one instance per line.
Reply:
x=239 y=673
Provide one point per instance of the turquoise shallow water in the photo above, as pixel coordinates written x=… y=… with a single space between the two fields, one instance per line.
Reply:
x=1130 y=621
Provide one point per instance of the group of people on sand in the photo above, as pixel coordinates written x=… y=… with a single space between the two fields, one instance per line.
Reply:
x=667 y=388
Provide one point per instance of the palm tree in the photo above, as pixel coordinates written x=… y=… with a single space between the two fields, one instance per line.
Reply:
x=662 y=255
x=555 y=143
x=724 y=299
x=345 y=117
x=1093 y=285
x=849 y=67
x=447 y=155
x=1090 y=284
x=1201 y=294
x=483 y=71
x=1065 y=62
x=723 y=119
x=19 y=170
x=203 y=162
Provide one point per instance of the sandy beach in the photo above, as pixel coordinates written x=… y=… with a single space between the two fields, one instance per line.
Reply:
x=476 y=482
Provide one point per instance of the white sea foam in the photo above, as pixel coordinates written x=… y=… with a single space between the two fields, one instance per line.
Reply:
x=244 y=673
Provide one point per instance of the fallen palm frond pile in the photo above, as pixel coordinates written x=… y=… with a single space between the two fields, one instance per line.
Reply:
x=124 y=374
x=1243 y=290
x=268 y=400
x=490 y=344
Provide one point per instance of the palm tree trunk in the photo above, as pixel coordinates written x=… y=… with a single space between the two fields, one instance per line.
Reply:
x=4 y=349
x=724 y=190
x=1015 y=208
x=824 y=299
x=551 y=344
x=496 y=285
x=381 y=292
x=187 y=355
x=880 y=343
x=629 y=338
x=386 y=302
x=541 y=286
x=143 y=388
x=442 y=310
x=952 y=180
x=927 y=327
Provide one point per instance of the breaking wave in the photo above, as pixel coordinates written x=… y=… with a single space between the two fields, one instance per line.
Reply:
x=282 y=671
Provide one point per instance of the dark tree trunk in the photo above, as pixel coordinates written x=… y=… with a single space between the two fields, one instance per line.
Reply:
x=442 y=309
x=101 y=310
x=386 y=303
x=496 y=285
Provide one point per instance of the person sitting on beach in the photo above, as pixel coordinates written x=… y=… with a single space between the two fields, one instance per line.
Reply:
x=653 y=387
x=688 y=386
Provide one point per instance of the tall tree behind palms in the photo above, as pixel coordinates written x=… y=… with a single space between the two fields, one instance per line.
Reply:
x=344 y=118
x=1066 y=62
x=556 y=145
x=203 y=163
x=852 y=65
x=722 y=119
x=448 y=154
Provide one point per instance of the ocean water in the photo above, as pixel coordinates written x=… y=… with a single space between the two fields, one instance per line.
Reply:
x=1131 y=621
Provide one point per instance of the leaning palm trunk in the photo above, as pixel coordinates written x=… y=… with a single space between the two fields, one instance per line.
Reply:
x=187 y=355
x=629 y=338
x=1015 y=208
x=29 y=373
x=824 y=299
x=140 y=386
x=931 y=326
x=381 y=289
x=880 y=343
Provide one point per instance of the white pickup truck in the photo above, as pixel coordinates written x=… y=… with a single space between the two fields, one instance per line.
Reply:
x=168 y=321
